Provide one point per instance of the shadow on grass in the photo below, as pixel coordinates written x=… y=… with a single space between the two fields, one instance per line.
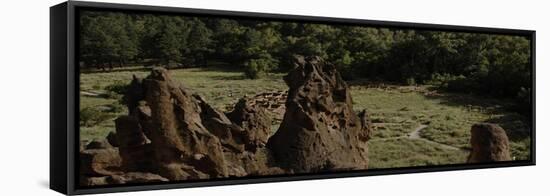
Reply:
x=502 y=111
x=123 y=69
x=237 y=77
x=515 y=127
x=220 y=68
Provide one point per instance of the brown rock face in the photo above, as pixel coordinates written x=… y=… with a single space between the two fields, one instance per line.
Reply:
x=255 y=121
x=178 y=137
x=489 y=144
x=98 y=144
x=99 y=162
x=319 y=131
x=231 y=136
x=133 y=145
x=111 y=138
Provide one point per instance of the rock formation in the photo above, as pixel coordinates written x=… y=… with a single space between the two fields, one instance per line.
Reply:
x=99 y=162
x=320 y=131
x=255 y=121
x=172 y=134
x=489 y=144
x=272 y=102
x=182 y=146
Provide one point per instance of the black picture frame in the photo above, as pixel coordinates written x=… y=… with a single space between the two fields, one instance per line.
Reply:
x=64 y=80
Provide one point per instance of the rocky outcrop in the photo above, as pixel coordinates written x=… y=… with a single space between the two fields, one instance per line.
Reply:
x=320 y=131
x=178 y=137
x=99 y=162
x=172 y=134
x=489 y=144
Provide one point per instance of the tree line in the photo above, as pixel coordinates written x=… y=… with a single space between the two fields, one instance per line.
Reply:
x=496 y=65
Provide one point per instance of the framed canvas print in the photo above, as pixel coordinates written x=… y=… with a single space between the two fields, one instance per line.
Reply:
x=146 y=97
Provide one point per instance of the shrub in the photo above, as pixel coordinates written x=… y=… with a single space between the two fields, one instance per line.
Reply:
x=91 y=116
x=411 y=81
x=524 y=101
x=118 y=87
x=443 y=80
x=461 y=84
x=255 y=68
x=115 y=107
x=96 y=86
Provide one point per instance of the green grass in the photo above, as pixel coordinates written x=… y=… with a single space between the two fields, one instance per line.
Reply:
x=408 y=153
x=449 y=117
x=395 y=113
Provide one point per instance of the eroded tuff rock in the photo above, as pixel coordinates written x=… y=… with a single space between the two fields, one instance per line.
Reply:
x=255 y=121
x=320 y=131
x=177 y=135
x=99 y=162
x=172 y=134
x=489 y=144
x=134 y=146
x=181 y=144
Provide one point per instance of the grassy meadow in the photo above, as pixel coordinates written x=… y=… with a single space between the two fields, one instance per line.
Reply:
x=441 y=120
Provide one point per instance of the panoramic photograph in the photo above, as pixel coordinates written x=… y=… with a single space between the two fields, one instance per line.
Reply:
x=174 y=98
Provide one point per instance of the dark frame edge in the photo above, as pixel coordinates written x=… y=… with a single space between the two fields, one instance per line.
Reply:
x=72 y=90
x=277 y=179
x=533 y=96
x=303 y=18
x=58 y=97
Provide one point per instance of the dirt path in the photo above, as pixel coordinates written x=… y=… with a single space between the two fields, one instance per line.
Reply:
x=415 y=135
x=91 y=93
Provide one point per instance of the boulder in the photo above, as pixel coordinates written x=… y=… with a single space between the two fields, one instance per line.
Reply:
x=99 y=162
x=250 y=163
x=98 y=144
x=320 y=131
x=366 y=123
x=231 y=136
x=135 y=147
x=112 y=139
x=255 y=122
x=489 y=144
x=93 y=181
